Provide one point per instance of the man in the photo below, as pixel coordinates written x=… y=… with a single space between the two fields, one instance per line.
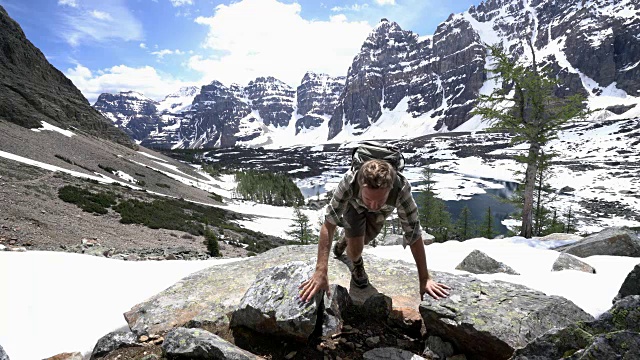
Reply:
x=361 y=203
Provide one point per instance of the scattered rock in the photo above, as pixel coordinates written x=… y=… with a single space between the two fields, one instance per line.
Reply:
x=568 y=262
x=614 y=335
x=272 y=306
x=441 y=348
x=334 y=306
x=614 y=241
x=631 y=284
x=112 y=341
x=478 y=262
x=182 y=343
x=389 y=353
x=66 y=356
x=479 y=317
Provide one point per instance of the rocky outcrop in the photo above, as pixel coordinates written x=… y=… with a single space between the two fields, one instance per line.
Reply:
x=614 y=241
x=317 y=98
x=614 y=335
x=130 y=111
x=112 y=341
x=478 y=262
x=568 y=262
x=3 y=355
x=191 y=301
x=271 y=304
x=479 y=317
x=34 y=91
x=184 y=343
x=630 y=285
x=272 y=99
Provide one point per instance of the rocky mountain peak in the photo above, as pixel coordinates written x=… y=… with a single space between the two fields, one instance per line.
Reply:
x=273 y=99
x=318 y=96
x=34 y=91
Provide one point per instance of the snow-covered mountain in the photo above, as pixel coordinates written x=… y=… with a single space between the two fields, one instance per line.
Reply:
x=402 y=85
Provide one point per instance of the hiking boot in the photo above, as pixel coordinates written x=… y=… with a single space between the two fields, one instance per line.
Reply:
x=339 y=247
x=358 y=275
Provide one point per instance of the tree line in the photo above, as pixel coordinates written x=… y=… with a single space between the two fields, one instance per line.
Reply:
x=268 y=188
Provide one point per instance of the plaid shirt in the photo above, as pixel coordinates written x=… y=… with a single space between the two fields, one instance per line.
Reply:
x=346 y=193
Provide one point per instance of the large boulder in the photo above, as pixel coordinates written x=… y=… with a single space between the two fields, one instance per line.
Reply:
x=182 y=343
x=478 y=262
x=614 y=241
x=614 y=335
x=491 y=320
x=272 y=306
x=631 y=284
x=197 y=301
x=568 y=262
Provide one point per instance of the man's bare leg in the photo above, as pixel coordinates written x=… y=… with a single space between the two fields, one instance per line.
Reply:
x=354 y=252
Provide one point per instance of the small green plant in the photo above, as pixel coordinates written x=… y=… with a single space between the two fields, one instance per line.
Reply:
x=163 y=185
x=211 y=240
x=96 y=203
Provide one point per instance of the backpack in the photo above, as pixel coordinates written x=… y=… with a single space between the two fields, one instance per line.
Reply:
x=368 y=150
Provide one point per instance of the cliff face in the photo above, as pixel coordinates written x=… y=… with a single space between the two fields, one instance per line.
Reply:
x=34 y=91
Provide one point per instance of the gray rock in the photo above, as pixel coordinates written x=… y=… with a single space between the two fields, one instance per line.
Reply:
x=273 y=99
x=490 y=320
x=182 y=343
x=478 y=262
x=568 y=262
x=66 y=356
x=3 y=355
x=630 y=285
x=334 y=306
x=388 y=353
x=614 y=241
x=272 y=306
x=112 y=341
x=378 y=307
x=614 y=335
x=441 y=348
x=197 y=297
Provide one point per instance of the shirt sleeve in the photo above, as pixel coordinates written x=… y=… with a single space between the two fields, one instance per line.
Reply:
x=338 y=203
x=408 y=215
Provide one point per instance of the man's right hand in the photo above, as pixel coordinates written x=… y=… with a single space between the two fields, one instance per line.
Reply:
x=309 y=288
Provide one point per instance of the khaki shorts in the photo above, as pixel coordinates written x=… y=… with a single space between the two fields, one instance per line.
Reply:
x=367 y=223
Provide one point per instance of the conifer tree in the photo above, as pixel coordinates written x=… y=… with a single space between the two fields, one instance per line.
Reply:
x=533 y=113
x=487 y=225
x=301 y=230
x=464 y=225
x=211 y=240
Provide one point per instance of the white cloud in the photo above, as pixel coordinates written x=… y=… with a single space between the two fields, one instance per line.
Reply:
x=145 y=80
x=354 y=7
x=101 y=15
x=177 y=3
x=161 y=54
x=143 y=46
x=100 y=21
x=279 y=43
x=72 y=3
x=386 y=2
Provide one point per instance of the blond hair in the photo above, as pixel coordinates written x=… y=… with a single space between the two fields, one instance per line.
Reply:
x=376 y=174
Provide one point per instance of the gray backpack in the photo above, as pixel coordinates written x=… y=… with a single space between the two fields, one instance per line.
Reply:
x=377 y=150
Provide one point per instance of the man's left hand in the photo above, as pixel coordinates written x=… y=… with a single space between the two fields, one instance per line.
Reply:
x=435 y=289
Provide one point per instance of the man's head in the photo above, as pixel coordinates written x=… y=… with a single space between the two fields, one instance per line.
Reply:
x=376 y=179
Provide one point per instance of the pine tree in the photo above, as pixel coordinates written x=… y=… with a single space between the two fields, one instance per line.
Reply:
x=464 y=225
x=534 y=114
x=441 y=227
x=487 y=225
x=301 y=230
x=568 y=226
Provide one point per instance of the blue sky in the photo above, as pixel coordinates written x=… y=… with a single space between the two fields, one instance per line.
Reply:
x=157 y=46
